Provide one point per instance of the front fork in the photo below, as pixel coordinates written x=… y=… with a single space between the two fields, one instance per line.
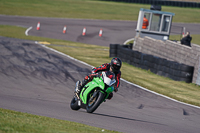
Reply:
x=76 y=92
x=94 y=94
x=79 y=100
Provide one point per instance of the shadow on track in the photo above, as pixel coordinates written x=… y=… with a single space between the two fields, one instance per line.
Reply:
x=118 y=117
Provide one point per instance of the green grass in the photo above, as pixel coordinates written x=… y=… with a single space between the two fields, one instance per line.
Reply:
x=89 y=9
x=13 y=121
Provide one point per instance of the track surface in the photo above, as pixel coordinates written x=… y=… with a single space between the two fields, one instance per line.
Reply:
x=39 y=81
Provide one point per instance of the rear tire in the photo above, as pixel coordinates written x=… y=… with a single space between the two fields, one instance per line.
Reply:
x=74 y=103
x=99 y=98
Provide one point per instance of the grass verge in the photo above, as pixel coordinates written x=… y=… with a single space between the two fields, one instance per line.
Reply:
x=90 y=9
x=13 y=121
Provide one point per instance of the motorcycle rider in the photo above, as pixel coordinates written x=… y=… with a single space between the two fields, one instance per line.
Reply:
x=114 y=66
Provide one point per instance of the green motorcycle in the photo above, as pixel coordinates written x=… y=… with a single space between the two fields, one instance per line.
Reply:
x=94 y=92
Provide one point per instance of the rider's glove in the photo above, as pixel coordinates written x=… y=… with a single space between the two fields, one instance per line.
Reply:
x=93 y=70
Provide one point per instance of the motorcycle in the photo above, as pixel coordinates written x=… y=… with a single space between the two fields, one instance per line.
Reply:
x=94 y=92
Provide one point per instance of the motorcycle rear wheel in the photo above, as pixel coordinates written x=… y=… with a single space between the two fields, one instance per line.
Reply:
x=93 y=104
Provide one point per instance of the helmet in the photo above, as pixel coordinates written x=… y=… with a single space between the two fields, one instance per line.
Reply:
x=116 y=64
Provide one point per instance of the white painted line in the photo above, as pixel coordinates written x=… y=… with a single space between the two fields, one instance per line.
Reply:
x=159 y=94
x=132 y=39
x=64 y=55
x=26 y=32
x=122 y=79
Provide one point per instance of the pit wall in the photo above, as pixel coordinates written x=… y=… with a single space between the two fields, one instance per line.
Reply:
x=171 y=51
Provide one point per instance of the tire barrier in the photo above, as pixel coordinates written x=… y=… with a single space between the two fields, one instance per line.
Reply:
x=157 y=65
x=163 y=3
x=113 y=50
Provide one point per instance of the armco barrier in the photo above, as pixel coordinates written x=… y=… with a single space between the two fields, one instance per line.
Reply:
x=157 y=65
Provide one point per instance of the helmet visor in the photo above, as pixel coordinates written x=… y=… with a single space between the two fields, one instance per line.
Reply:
x=115 y=68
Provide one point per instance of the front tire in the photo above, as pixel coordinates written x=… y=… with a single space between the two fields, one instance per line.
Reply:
x=74 y=103
x=94 y=103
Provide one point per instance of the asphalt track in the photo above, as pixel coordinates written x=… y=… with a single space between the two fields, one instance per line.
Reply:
x=39 y=81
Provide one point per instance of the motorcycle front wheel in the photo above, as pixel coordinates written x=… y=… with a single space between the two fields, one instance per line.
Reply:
x=74 y=103
x=94 y=102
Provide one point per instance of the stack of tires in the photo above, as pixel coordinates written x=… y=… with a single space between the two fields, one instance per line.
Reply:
x=170 y=69
x=148 y=62
x=122 y=53
x=181 y=72
x=160 y=66
x=136 y=59
x=113 y=50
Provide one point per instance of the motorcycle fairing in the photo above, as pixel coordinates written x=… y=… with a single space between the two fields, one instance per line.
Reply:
x=95 y=83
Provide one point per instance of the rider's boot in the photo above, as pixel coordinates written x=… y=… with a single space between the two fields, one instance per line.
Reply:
x=110 y=96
